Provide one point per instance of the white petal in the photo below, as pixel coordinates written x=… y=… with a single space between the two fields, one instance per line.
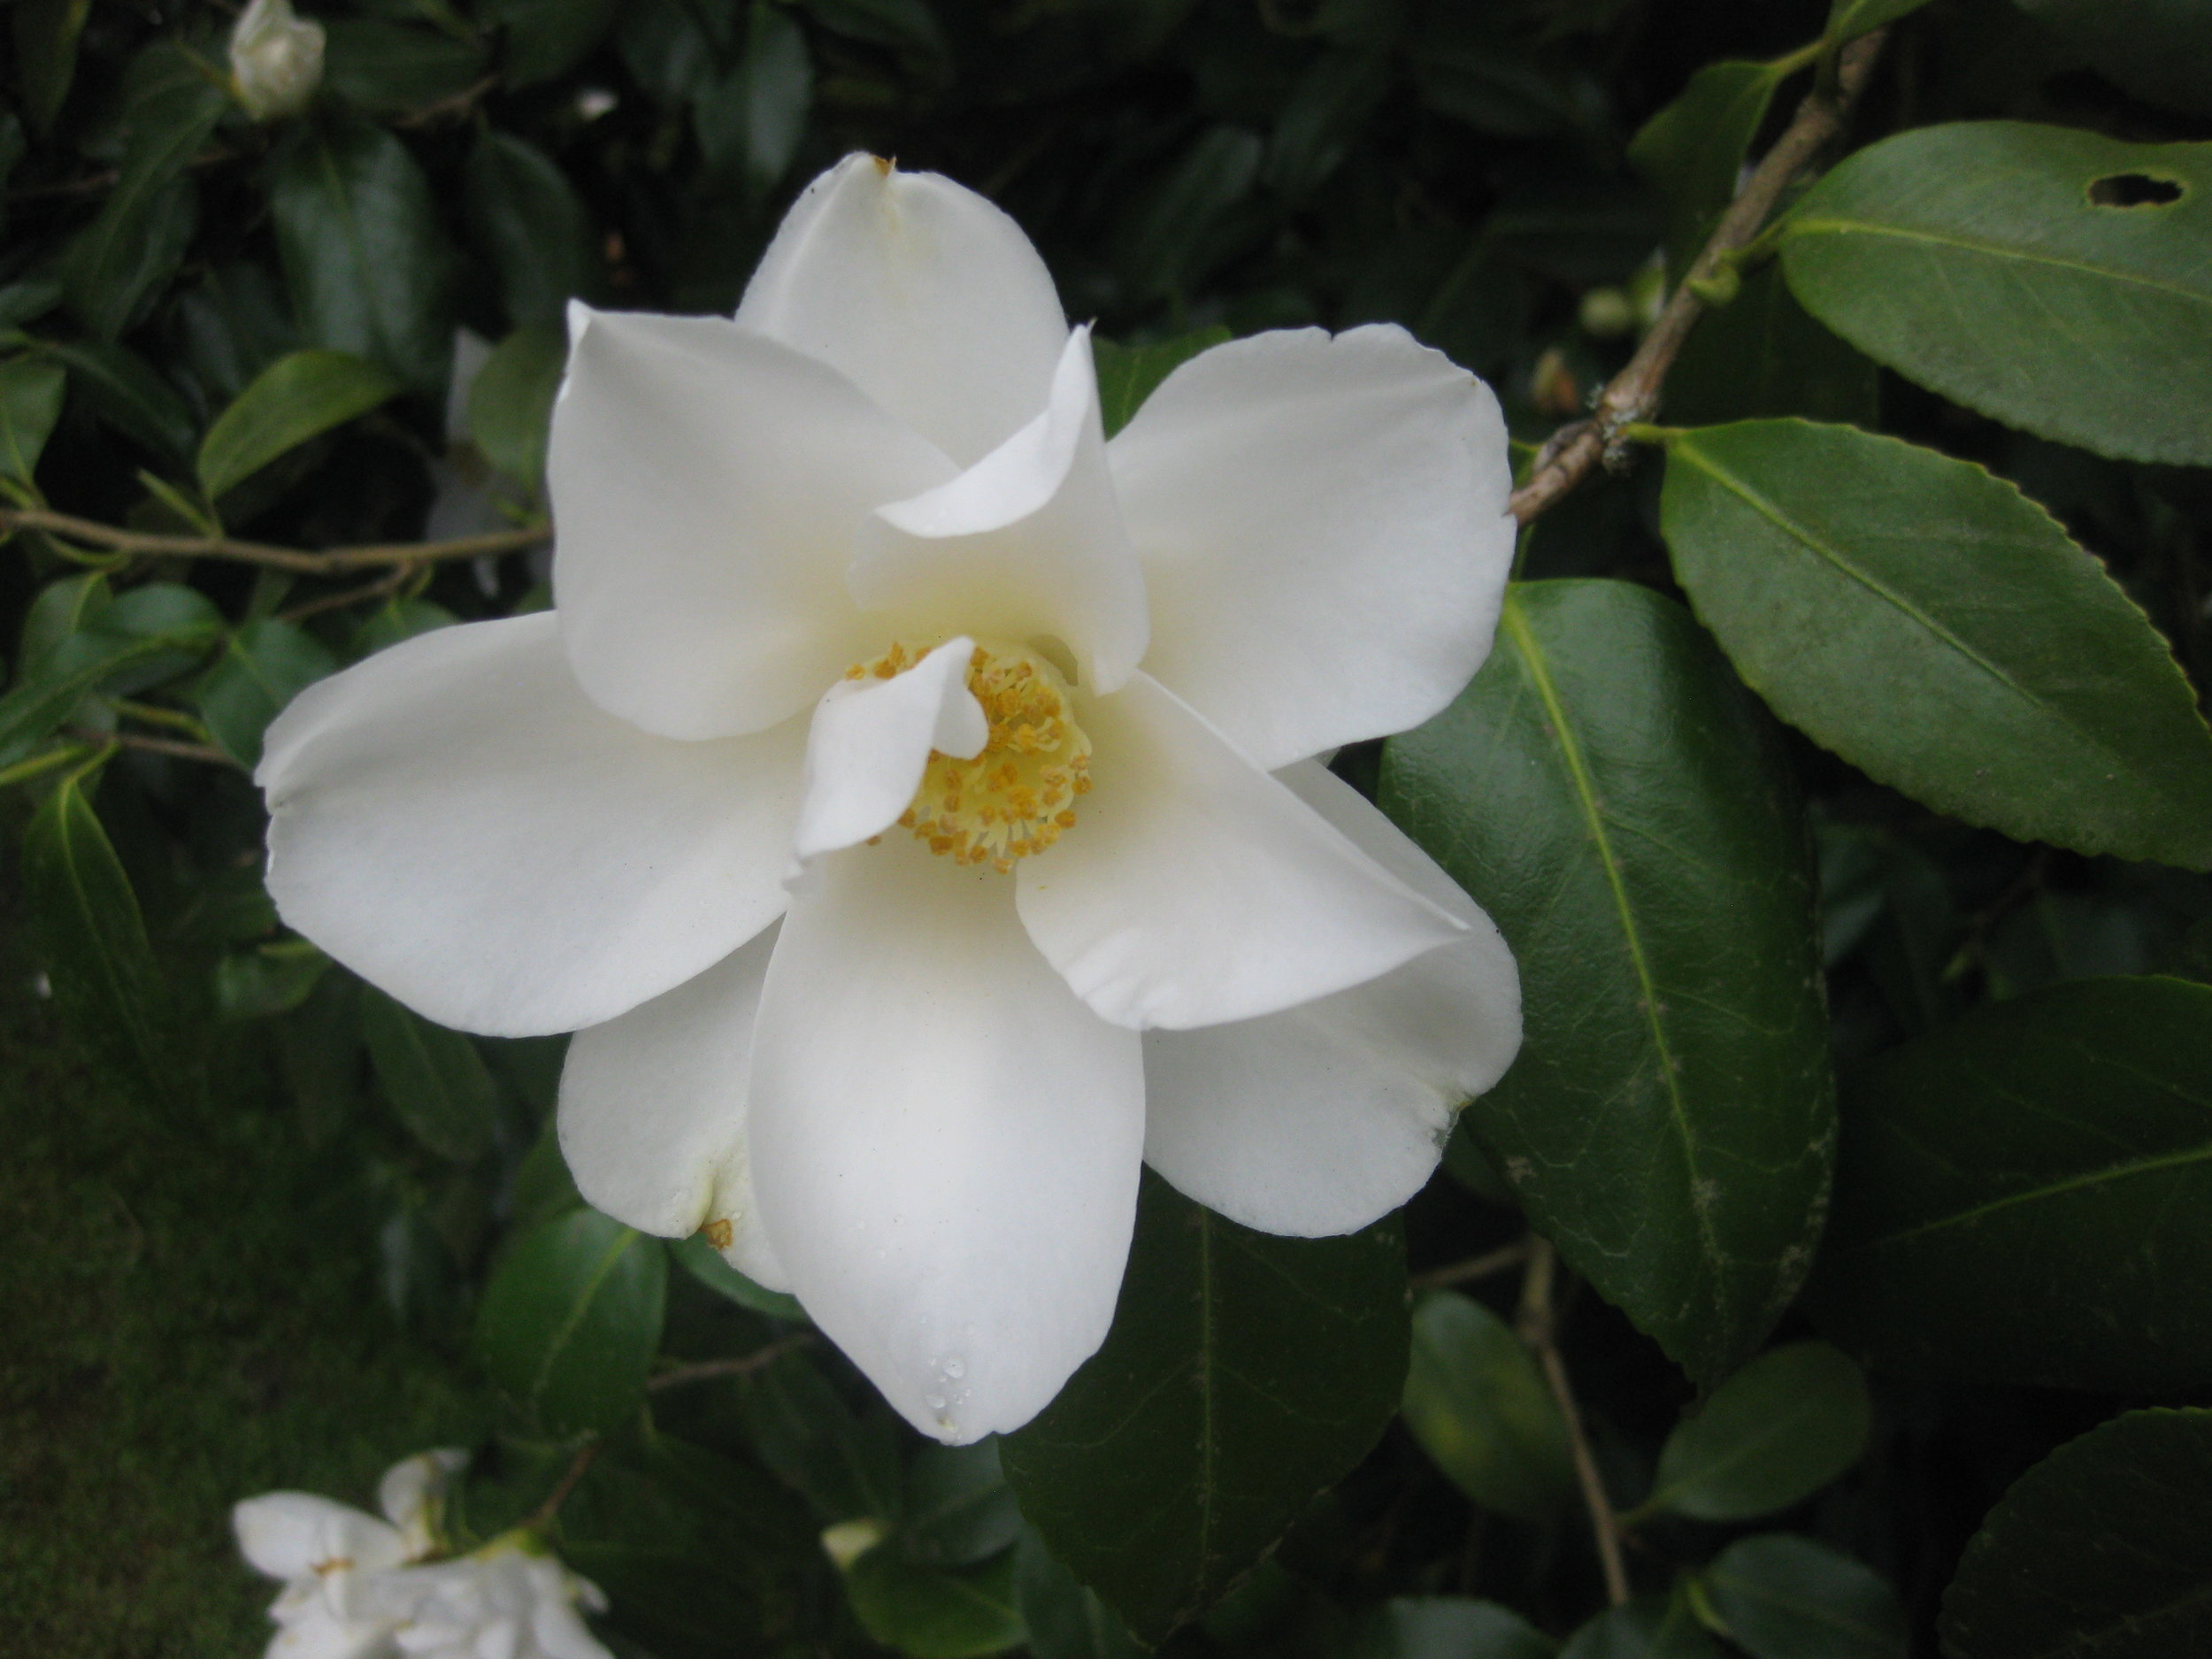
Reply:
x=707 y=484
x=652 y=1111
x=456 y=822
x=945 y=1143
x=1321 y=1119
x=316 y=1632
x=1323 y=527
x=293 y=1534
x=923 y=294
x=870 y=743
x=1027 y=542
x=1196 y=889
x=409 y=1492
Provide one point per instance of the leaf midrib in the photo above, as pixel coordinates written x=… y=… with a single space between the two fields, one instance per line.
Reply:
x=1570 y=750
x=1832 y=227
x=2111 y=1172
x=563 y=1332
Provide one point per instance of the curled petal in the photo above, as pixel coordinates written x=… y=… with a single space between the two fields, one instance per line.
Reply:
x=456 y=822
x=945 y=1142
x=1027 y=542
x=870 y=744
x=1196 y=889
x=1323 y=1119
x=652 y=1110
x=707 y=484
x=1323 y=528
x=921 y=293
x=409 y=1493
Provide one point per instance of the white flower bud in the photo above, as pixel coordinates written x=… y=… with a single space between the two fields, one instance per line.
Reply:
x=276 y=59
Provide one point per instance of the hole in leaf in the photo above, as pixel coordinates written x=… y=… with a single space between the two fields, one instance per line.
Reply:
x=2135 y=189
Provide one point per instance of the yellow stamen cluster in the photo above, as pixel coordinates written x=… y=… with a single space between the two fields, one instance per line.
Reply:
x=1017 y=796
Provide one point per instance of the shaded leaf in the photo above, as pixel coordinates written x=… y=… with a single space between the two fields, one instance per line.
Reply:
x=119 y=387
x=933 y=1613
x=1129 y=374
x=1763 y=355
x=2153 y=49
x=1977 y=259
x=1847 y=19
x=847 y=1466
x=1609 y=795
x=385 y=68
x=571 y=1320
x=958 y=1511
x=1769 y=1436
x=1646 y=1628
x=265 y=665
x=1939 y=631
x=705 y=1263
x=530 y=223
x=1779 y=1596
x=30 y=403
x=2104 y=1548
x=433 y=1077
x=1064 y=1620
x=1693 y=150
x=2026 y=1194
x=46 y=36
x=1478 y=1404
x=294 y=399
x=750 y=119
x=1244 y=1372
x=511 y=402
x=1448 y=1628
x=545 y=38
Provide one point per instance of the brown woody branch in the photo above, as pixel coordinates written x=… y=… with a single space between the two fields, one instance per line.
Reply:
x=1632 y=395
x=1538 y=1326
x=331 y=561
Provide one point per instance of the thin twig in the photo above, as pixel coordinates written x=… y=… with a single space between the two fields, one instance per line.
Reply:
x=283 y=559
x=377 y=590
x=542 y=1516
x=1537 y=1324
x=174 y=748
x=1634 y=393
x=1478 y=1267
x=459 y=104
x=742 y=1365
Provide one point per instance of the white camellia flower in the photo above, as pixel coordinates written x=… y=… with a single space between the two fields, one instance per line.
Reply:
x=276 y=59
x=356 y=1587
x=912 y=802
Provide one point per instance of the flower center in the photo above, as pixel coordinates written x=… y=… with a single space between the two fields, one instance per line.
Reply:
x=1017 y=795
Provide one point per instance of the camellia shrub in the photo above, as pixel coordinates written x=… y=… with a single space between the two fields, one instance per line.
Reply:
x=1357 y=828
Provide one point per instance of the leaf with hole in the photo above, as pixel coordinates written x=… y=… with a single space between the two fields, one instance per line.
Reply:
x=1769 y=1436
x=571 y=1320
x=1244 y=1373
x=1940 y=632
x=1478 y=1404
x=2102 y=1550
x=298 y=398
x=1612 y=797
x=2026 y=1194
x=2057 y=280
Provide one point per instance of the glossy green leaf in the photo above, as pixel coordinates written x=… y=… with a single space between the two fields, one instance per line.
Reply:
x=1780 y=1596
x=269 y=979
x=1244 y=1373
x=1762 y=355
x=571 y=1319
x=363 y=254
x=63 y=607
x=116 y=266
x=511 y=403
x=1847 y=19
x=294 y=399
x=546 y=38
x=1939 y=631
x=1448 y=1628
x=751 y=119
x=46 y=34
x=385 y=68
x=1477 y=1401
x=2103 y=1550
x=433 y=1077
x=1065 y=1619
x=2026 y=1194
x=53 y=684
x=1998 y=263
x=933 y=1613
x=531 y=225
x=1614 y=800
x=264 y=666
x=1693 y=150
x=1129 y=374
x=86 y=927
x=30 y=403
x=958 y=1509
x=1769 y=1436
x=705 y=1263
x=119 y=387
x=2153 y=49
x=1647 y=1628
